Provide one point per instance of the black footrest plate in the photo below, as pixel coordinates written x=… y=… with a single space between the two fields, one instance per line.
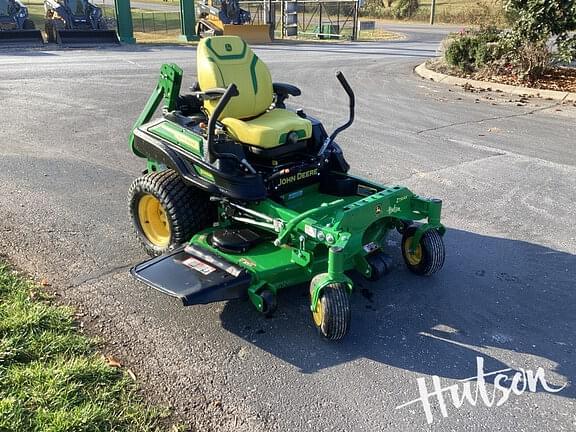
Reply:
x=194 y=275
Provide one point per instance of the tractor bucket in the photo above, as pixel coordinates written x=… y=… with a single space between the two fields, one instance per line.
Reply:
x=21 y=38
x=209 y=28
x=251 y=33
x=72 y=38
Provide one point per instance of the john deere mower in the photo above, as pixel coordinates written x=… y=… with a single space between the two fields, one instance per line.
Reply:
x=242 y=197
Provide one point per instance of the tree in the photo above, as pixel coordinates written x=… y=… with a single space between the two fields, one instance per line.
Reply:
x=538 y=21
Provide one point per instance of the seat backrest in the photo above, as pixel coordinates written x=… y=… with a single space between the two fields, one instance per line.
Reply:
x=223 y=60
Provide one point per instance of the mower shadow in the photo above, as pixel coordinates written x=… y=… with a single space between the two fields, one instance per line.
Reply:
x=493 y=294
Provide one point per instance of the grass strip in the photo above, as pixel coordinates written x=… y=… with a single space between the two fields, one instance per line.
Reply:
x=52 y=377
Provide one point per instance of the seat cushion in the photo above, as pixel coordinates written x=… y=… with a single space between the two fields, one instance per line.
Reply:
x=270 y=129
x=223 y=60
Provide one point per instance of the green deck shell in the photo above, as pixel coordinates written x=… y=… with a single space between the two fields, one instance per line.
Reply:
x=293 y=256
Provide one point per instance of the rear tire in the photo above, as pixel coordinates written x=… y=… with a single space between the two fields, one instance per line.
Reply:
x=166 y=212
x=332 y=314
x=28 y=24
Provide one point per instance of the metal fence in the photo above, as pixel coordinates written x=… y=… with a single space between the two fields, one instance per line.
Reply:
x=149 y=21
x=325 y=19
x=153 y=22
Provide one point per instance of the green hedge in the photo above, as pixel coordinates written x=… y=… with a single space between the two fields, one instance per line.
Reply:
x=472 y=49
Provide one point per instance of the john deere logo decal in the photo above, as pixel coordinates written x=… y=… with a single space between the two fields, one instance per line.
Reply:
x=228 y=47
x=378 y=209
x=297 y=177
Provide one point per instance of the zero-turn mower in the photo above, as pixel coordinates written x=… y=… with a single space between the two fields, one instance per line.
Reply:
x=242 y=197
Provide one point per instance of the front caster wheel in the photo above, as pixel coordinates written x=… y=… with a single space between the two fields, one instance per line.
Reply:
x=428 y=257
x=332 y=313
x=269 y=303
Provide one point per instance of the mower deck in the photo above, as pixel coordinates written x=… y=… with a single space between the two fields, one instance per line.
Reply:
x=201 y=272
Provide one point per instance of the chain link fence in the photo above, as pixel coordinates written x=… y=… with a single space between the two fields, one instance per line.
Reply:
x=147 y=21
x=330 y=19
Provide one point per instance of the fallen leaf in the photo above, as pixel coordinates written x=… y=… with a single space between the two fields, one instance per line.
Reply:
x=112 y=361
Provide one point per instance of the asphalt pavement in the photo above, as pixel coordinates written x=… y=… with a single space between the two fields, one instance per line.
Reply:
x=505 y=168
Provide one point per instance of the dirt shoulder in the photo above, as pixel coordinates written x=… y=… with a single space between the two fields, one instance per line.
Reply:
x=561 y=78
x=551 y=88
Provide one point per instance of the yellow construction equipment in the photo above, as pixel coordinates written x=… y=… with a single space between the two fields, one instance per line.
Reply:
x=227 y=18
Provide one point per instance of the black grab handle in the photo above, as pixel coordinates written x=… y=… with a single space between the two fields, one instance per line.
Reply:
x=346 y=125
x=231 y=91
x=346 y=86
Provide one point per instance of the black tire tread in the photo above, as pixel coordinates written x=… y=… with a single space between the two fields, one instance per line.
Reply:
x=380 y=264
x=188 y=210
x=270 y=303
x=336 y=304
x=28 y=24
x=433 y=252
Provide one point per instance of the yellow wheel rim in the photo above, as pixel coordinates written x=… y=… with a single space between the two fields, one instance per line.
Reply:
x=318 y=313
x=412 y=258
x=153 y=221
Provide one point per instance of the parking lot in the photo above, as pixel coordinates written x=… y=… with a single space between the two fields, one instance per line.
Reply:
x=504 y=167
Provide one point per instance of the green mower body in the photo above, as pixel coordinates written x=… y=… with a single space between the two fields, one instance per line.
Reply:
x=224 y=220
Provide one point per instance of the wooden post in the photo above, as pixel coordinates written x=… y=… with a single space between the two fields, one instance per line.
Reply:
x=355 y=21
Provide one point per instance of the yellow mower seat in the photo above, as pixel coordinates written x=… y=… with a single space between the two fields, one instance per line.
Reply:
x=268 y=130
x=223 y=60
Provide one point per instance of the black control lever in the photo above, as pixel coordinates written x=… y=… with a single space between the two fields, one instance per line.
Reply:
x=350 y=93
